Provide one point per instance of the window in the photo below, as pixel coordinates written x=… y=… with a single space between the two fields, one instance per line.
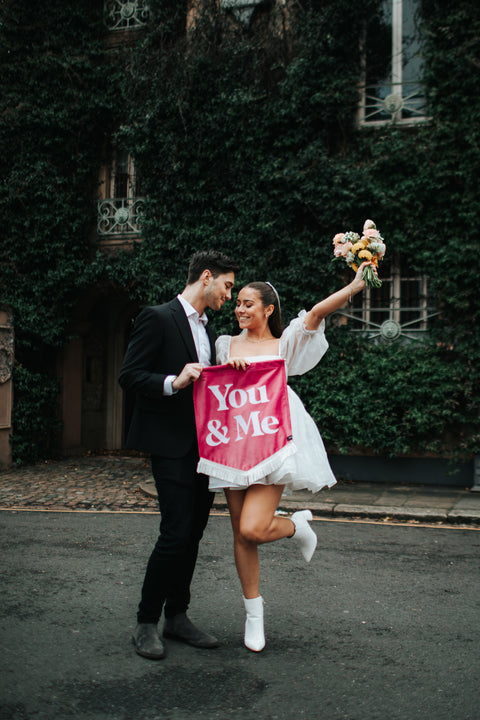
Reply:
x=401 y=308
x=123 y=179
x=119 y=212
x=123 y=15
x=241 y=9
x=392 y=89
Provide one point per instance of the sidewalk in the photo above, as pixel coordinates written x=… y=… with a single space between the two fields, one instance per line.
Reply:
x=120 y=484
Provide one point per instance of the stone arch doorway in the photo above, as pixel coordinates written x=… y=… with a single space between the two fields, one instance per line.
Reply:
x=94 y=409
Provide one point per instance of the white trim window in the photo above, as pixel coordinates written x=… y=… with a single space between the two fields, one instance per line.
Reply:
x=399 y=309
x=392 y=88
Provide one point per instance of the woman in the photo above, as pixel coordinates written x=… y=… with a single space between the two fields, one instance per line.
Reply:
x=252 y=507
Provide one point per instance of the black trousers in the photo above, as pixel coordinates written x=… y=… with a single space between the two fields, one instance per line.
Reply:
x=185 y=503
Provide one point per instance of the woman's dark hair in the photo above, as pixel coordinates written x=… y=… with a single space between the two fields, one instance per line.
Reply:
x=216 y=262
x=269 y=296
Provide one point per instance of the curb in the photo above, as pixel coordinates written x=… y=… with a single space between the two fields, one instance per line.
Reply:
x=345 y=510
x=385 y=512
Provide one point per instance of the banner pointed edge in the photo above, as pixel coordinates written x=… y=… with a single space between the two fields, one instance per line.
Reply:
x=233 y=475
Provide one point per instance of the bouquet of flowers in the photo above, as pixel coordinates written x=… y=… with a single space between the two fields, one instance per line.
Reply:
x=355 y=250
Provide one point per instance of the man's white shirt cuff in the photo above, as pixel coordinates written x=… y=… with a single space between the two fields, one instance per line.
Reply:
x=167 y=385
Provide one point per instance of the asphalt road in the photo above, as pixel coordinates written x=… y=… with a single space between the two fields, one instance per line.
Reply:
x=384 y=623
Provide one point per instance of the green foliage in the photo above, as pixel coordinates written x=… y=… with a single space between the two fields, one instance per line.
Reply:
x=34 y=425
x=391 y=399
x=237 y=139
x=58 y=108
x=246 y=141
x=52 y=131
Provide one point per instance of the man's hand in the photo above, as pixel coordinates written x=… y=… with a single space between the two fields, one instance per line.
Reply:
x=189 y=374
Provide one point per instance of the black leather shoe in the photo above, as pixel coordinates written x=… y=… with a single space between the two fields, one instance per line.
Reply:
x=179 y=627
x=147 y=642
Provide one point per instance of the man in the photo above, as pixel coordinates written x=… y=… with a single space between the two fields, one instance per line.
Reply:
x=169 y=345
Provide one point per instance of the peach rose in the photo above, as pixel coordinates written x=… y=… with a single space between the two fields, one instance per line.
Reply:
x=342 y=249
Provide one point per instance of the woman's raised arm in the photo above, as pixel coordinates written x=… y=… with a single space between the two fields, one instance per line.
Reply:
x=336 y=301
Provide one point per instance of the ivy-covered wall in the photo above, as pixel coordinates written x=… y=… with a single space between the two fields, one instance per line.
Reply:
x=59 y=98
x=246 y=141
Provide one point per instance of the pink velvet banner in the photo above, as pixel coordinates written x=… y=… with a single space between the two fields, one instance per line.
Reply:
x=243 y=420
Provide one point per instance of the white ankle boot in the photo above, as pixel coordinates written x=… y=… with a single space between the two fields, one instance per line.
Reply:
x=304 y=533
x=254 y=634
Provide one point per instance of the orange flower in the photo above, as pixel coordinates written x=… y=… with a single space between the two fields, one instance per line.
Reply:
x=365 y=254
x=358 y=246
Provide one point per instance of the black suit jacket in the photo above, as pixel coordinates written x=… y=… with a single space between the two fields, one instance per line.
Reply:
x=161 y=344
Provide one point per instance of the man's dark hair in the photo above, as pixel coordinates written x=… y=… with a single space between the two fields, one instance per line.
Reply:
x=216 y=262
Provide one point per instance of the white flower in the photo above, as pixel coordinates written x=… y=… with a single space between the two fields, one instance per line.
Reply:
x=378 y=248
x=352 y=237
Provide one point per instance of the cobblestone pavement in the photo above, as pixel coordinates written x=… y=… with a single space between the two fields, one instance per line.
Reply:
x=114 y=483
x=86 y=483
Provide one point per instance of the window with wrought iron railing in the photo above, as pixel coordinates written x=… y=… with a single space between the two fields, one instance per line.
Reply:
x=400 y=309
x=120 y=211
x=392 y=88
x=125 y=15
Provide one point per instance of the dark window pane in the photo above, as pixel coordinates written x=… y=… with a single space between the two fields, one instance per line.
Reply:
x=122 y=177
x=379 y=47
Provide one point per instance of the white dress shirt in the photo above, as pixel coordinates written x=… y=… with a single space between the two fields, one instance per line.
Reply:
x=202 y=343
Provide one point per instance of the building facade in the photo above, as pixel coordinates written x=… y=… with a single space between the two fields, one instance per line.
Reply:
x=134 y=200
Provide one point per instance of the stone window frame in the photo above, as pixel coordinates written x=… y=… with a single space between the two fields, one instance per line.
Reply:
x=399 y=310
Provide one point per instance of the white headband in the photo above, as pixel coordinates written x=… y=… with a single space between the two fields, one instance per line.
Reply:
x=276 y=293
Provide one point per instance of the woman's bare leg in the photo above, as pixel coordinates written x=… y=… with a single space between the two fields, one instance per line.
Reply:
x=245 y=553
x=258 y=522
x=253 y=518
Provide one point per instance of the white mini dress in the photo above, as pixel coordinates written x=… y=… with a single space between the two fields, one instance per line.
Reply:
x=308 y=468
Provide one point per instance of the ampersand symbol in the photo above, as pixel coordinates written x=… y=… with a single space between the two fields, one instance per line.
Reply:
x=217 y=434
